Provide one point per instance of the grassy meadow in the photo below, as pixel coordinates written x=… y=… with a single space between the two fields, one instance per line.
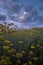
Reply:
x=21 y=47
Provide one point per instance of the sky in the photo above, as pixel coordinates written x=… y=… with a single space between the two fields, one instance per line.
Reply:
x=23 y=13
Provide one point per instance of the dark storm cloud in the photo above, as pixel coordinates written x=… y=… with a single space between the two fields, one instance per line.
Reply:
x=14 y=7
x=32 y=14
x=41 y=8
x=2 y=17
x=28 y=7
x=40 y=18
x=10 y=5
x=10 y=0
x=15 y=0
x=31 y=9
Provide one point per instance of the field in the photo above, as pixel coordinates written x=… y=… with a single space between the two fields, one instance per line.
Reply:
x=21 y=47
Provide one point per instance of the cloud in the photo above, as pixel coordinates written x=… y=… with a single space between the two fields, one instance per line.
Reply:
x=27 y=7
x=15 y=8
x=31 y=16
x=21 y=11
x=41 y=8
x=10 y=5
x=10 y=0
x=40 y=18
x=2 y=17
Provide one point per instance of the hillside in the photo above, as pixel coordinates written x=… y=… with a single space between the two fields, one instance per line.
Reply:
x=21 y=47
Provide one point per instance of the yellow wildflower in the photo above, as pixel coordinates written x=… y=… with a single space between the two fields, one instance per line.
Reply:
x=7 y=58
x=31 y=52
x=19 y=55
x=6 y=41
x=32 y=47
x=12 y=44
x=35 y=58
x=20 y=42
x=18 y=62
x=2 y=38
x=30 y=62
x=6 y=47
x=2 y=57
x=12 y=51
x=23 y=52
